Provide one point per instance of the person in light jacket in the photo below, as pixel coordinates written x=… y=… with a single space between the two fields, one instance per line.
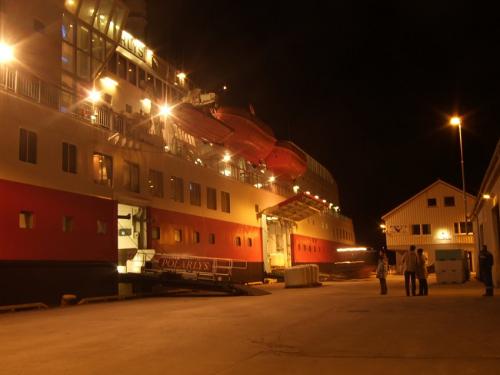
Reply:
x=421 y=273
x=410 y=266
x=382 y=270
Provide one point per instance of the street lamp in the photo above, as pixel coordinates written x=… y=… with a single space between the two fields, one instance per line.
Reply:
x=457 y=121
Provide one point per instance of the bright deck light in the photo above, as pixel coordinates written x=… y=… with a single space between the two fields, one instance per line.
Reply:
x=226 y=158
x=165 y=110
x=108 y=82
x=94 y=96
x=296 y=189
x=455 y=121
x=342 y=249
x=6 y=53
x=181 y=76
x=486 y=196
x=272 y=179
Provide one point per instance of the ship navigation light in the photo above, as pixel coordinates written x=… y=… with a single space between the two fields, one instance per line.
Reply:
x=6 y=53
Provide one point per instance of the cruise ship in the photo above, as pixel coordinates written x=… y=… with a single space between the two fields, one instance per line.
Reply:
x=114 y=163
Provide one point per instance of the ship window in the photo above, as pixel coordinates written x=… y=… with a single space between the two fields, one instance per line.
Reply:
x=68 y=157
x=103 y=169
x=83 y=38
x=26 y=220
x=142 y=78
x=112 y=63
x=102 y=16
x=131 y=176
x=237 y=241
x=132 y=73
x=426 y=229
x=211 y=238
x=68 y=28
x=178 y=235
x=196 y=237
x=82 y=65
x=128 y=108
x=98 y=47
x=225 y=199
x=415 y=229
x=155 y=233
x=155 y=182
x=87 y=10
x=249 y=242
x=67 y=57
x=195 y=194
x=102 y=227
x=449 y=201
x=67 y=224
x=157 y=88
x=27 y=146
x=122 y=67
x=211 y=198
x=176 y=189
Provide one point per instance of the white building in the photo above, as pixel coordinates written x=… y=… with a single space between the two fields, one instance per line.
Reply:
x=433 y=219
x=486 y=215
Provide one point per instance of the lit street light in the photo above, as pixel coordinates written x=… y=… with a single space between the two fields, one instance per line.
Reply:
x=457 y=121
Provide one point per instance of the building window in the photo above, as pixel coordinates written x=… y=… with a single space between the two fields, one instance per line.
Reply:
x=177 y=235
x=211 y=238
x=131 y=177
x=68 y=157
x=449 y=201
x=67 y=224
x=225 y=201
x=249 y=243
x=459 y=228
x=27 y=146
x=237 y=241
x=211 y=198
x=155 y=182
x=177 y=189
x=195 y=194
x=426 y=229
x=102 y=227
x=103 y=169
x=415 y=229
x=26 y=220
x=431 y=202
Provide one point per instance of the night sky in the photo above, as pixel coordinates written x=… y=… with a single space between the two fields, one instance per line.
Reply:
x=365 y=87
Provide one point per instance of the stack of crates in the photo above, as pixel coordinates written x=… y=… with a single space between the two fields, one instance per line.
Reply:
x=451 y=266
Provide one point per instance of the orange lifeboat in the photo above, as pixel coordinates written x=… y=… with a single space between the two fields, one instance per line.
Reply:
x=201 y=124
x=252 y=139
x=286 y=160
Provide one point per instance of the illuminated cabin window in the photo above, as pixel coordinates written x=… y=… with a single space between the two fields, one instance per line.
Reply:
x=67 y=224
x=27 y=146
x=102 y=227
x=195 y=194
x=26 y=220
x=211 y=238
x=155 y=233
x=449 y=201
x=131 y=177
x=237 y=241
x=426 y=229
x=155 y=182
x=249 y=242
x=103 y=169
x=68 y=157
x=225 y=199
x=415 y=229
x=178 y=235
x=431 y=202
x=211 y=198
x=177 y=189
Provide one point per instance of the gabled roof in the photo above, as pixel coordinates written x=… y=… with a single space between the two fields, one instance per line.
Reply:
x=437 y=182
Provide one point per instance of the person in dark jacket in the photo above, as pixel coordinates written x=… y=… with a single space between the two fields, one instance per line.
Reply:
x=485 y=264
x=421 y=273
x=382 y=270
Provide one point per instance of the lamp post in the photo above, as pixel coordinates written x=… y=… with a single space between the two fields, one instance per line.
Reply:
x=457 y=121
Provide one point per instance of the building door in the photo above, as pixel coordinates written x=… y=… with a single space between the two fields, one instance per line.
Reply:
x=132 y=234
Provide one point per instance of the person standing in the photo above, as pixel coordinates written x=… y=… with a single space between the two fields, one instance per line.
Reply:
x=382 y=270
x=421 y=273
x=485 y=264
x=410 y=267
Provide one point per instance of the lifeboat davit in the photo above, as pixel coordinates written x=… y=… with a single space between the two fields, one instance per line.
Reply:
x=286 y=160
x=201 y=124
x=252 y=139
